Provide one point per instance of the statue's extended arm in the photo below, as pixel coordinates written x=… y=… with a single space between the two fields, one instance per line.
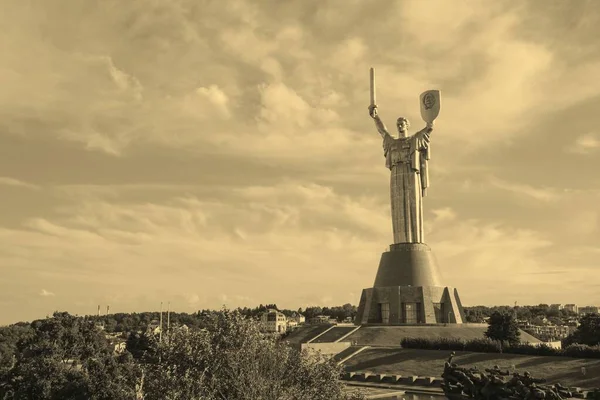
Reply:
x=423 y=137
x=380 y=126
x=378 y=122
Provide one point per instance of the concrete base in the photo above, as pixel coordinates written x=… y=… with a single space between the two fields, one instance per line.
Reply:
x=397 y=305
x=408 y=264
x=407 y=290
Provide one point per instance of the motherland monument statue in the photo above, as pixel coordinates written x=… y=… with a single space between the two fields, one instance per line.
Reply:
x=407 y=288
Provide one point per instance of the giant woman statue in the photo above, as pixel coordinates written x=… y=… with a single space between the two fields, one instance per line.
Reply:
x=408 y=287
x=407 y=157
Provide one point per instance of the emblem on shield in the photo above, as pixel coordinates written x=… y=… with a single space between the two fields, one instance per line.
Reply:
x=428 y=101
x=430 y=105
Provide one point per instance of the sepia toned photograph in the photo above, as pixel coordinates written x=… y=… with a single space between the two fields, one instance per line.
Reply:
x=299 y=200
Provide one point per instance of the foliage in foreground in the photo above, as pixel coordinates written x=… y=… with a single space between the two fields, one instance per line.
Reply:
x=231 y=359
x=67 y=358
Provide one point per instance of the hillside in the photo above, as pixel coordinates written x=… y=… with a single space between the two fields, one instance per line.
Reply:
x=305 y=333
x=392 y=335
x=565 y=370
x=334 y=334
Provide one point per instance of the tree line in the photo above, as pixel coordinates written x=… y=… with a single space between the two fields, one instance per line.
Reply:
x=339 y=313
x=223 y=355
x=503 y=327
x=478 y=314
x=129 y=322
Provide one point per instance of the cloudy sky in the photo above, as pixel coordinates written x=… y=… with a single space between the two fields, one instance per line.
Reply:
x=220 y=152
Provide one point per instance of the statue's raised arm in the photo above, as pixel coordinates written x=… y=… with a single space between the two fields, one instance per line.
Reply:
x=381 y=128
x=423 y=138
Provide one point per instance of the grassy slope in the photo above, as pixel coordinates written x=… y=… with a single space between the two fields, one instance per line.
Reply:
x=334 y=334
x=392 y=335
x=304 y=333
x=431 y=363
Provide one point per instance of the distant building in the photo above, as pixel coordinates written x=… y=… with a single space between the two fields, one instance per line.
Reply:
x=116 y=342
x=154 y=327
x=274 y=321
x=119 y=346
x=556 y=307
x=571 y=308
x=298 y=318
x=588 y=310
x=546 y=332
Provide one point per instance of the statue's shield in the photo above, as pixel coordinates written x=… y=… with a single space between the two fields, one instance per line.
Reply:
x=430 y=105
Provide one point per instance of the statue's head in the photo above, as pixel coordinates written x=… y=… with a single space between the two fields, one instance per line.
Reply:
x=402 y=124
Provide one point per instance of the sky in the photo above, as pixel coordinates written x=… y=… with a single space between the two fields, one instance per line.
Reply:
x=209 y=153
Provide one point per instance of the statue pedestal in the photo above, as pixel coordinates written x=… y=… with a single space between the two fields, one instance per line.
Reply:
x=408 y=290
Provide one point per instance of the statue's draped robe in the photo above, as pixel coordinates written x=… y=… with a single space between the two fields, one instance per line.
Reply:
x=407 y=159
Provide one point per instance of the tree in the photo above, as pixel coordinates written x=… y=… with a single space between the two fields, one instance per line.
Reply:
x=524 y=313
x=588 y=332
x=67 y=357
x=474 y=316
x=231 y=359
x=311 y=312
x=138 y=344
x=555 y=320
x=503 y=327
x=9 y=337
x=538 y=321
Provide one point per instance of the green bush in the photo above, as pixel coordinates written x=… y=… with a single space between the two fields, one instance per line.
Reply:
x=433 y=344
x=416 y=343
x=530 y=350
x=582 y=351
x=451 y=344
x=483 y=345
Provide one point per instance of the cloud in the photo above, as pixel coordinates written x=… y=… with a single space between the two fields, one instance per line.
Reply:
x=206 y=102
x=474 y=256
x=17 y=183
x=45 y=293
x=195 y=246
x=585 y=144
x=174 y=87
x=536 y=193
x=193 y=299
x=583 y=222
x=444 y=214
x=236 y=151
x=115 y=242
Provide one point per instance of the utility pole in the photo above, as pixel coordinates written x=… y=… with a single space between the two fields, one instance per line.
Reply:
x=168 y=316
x=161 y=324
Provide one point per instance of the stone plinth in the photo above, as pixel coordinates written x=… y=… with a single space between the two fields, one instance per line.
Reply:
x=408 y=264
x=408 y=290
